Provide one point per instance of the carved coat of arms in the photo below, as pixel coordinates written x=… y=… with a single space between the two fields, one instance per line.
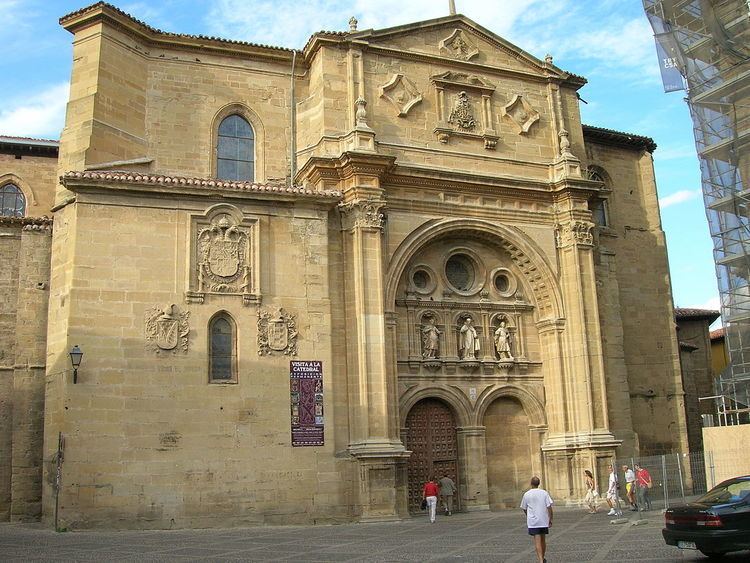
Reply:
x=167 y=329
x=223 y=258
x=277 y=333
x=461 y=116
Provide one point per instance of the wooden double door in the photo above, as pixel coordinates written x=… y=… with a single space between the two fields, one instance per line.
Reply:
x=431 y=437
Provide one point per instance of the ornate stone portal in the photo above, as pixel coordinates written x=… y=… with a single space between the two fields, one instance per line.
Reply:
x=167 y=329
x=224 y=256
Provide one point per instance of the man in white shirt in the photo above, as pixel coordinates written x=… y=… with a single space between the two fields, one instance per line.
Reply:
x=614 y=510
x=537 y=505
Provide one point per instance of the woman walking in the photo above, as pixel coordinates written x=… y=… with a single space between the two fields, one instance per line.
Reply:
x=430 y=494
x=592 y=495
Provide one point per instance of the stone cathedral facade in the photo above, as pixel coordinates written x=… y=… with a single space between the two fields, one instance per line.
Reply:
x=306 y=280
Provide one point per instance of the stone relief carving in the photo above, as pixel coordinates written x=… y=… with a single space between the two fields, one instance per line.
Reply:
x=224 y=256
x=459 y=46
x=520 y=113
x=574 y=232
x=167 y=329
x=365 y=214
x=462 y=116
x=457 y=96
x=277 y=333
x=402 y=93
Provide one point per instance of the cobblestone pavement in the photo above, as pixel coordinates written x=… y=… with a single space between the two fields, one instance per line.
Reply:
x=488 y=536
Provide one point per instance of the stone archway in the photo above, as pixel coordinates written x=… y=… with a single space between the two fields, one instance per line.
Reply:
x=430 y=434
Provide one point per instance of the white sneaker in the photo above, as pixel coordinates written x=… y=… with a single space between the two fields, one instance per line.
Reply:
x=612 y=512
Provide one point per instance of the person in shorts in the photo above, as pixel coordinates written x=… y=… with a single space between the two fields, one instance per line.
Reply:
x=537 y=506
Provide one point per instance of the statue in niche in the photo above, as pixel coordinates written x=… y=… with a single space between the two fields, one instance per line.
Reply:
x=469 y=340
x=502 y=342
x=430 y=340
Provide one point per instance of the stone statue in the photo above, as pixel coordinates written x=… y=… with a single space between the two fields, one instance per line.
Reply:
x=502 y=342
x=469 y=340
x=430 y=340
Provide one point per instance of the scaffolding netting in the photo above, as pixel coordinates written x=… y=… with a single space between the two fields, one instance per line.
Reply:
x=708 y=43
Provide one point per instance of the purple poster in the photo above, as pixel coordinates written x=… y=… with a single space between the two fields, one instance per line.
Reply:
x=306 y=402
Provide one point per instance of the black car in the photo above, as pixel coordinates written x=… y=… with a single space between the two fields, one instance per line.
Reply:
x=716 y=523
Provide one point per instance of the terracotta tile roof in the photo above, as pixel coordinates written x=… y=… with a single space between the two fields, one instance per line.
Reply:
x=63 y=20
x=687 y=313
x=619 y=138
x=716 y=334
x=28 y=140
x=125 y=177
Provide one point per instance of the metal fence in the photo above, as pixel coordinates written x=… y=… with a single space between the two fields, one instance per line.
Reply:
x=679 y=478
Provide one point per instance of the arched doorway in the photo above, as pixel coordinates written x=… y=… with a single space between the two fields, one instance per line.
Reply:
x=508 y=452
x=431 y=437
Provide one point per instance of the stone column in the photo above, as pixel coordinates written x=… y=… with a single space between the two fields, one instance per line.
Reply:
x=374 y=431
x=576 y=391
x=472 y=464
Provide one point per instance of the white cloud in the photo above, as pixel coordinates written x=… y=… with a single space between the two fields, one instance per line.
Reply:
x=678 y=197
x=39 y=115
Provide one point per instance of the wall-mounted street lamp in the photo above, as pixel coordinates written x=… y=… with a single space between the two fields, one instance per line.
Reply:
x=76 y=355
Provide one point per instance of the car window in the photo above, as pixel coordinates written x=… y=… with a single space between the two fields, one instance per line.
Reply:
x=731 y=492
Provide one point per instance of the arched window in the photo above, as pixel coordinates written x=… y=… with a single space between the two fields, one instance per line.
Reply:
x=222 y=350
x=12 y=201
x=598 y=206
x=235 y=156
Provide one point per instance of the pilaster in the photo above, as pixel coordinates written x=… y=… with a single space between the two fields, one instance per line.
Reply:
x=473 y=466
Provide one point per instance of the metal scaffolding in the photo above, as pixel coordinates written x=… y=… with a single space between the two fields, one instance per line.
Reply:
x=704 y=48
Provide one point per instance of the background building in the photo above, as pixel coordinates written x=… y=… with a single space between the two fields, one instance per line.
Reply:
x=304 y=281
x=703 y=47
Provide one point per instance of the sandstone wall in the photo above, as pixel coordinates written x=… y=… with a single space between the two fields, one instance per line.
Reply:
x=632 y=253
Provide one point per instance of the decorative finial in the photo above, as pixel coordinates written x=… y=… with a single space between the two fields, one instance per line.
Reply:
x=353 y=24
x=452 y=7
x=564 y=144
x=548 y=59
x=361 y=114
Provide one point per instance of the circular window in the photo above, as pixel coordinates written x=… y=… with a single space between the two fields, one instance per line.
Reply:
x=502 y=283
x=460 y=272
x=421 y=279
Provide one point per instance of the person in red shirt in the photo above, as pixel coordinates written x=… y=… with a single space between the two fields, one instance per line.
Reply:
x=430 y=494
x=643 y=483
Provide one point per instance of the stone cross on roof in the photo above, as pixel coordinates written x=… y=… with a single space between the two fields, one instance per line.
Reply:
x=452 y=7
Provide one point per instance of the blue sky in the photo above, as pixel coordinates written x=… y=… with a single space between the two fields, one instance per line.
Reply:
x=607 y=41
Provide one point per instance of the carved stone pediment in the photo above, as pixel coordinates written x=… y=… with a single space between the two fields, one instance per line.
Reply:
x=463 y=80
x=402 y=93
x=458 y=45
x=224 y=255
x=166 y=329
x=520 y=113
